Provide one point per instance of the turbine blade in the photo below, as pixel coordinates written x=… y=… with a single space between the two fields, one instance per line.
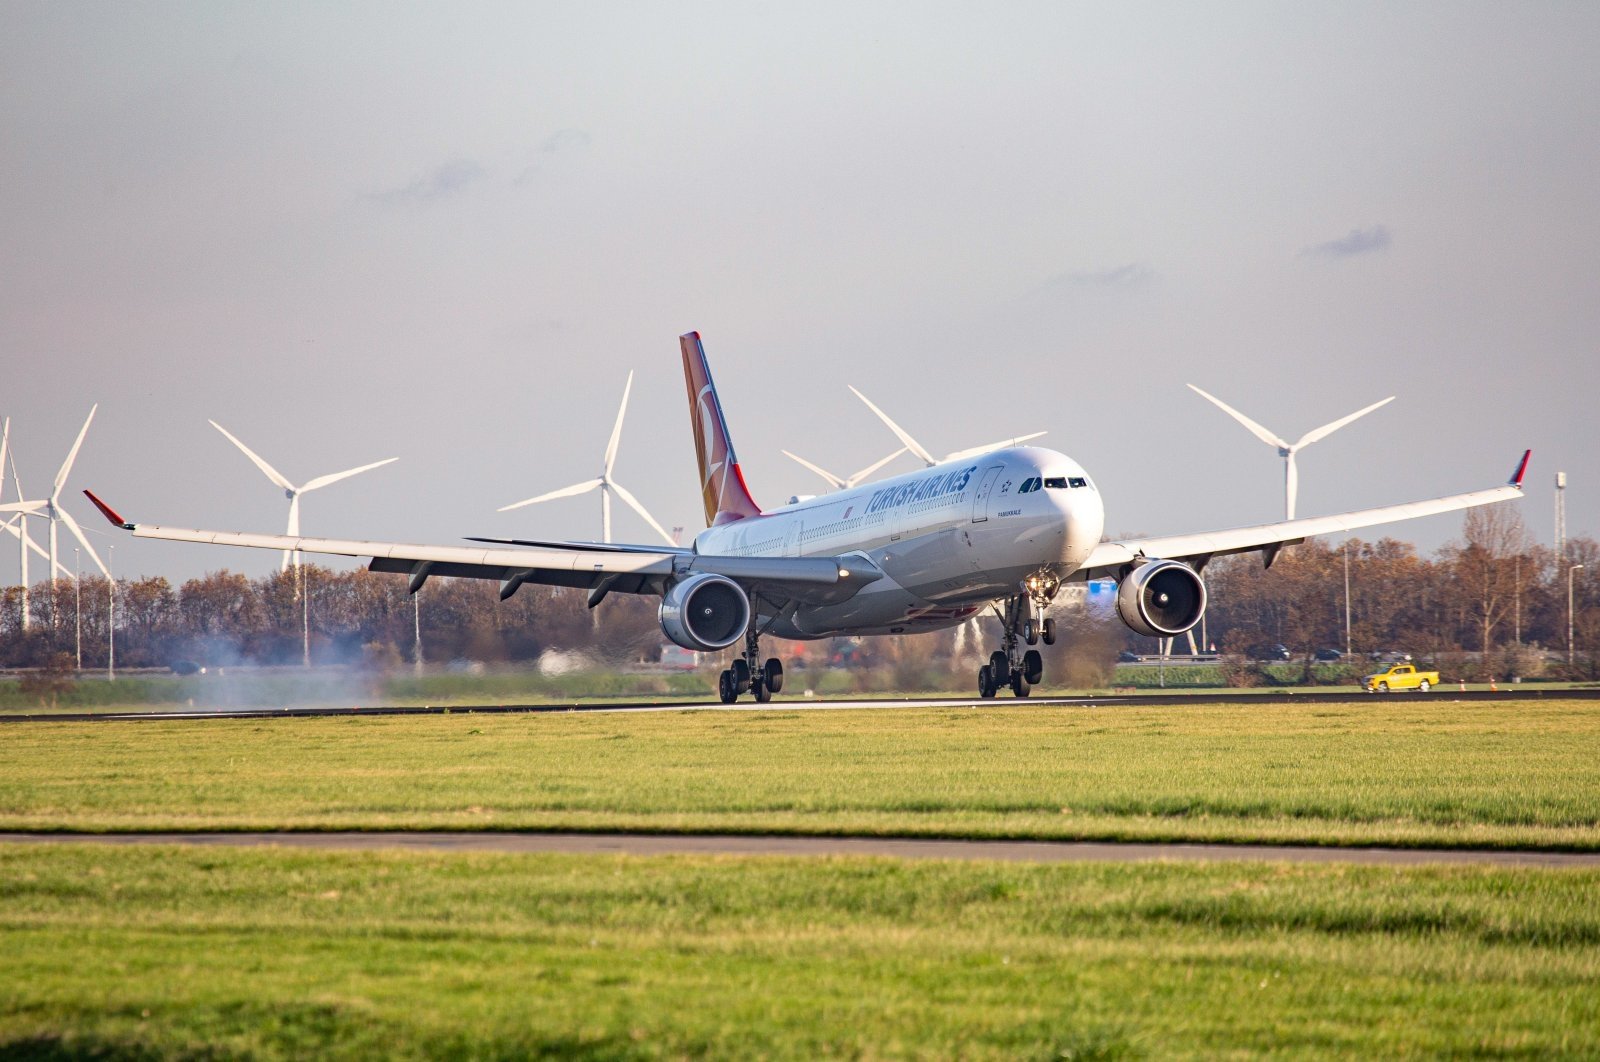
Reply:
x=271 y=473
x=616 y=429
x=833 y=480
x=1255 y=429
x=565 y=492
x=623 y=493
x=323 y=481
x=1328 y=429
x=5 y=445
x=28 y=508
x=77 y=532
x=974 y=451
x=900 y=433
x=870 y=469
x=72 y=455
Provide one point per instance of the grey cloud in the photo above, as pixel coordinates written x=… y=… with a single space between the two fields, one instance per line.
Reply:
x=447 y=180
x=1359 y=241
x=560 y=140
x=563 y=139
x=1128 y=276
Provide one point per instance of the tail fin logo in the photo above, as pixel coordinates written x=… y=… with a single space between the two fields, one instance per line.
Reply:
x=721 y=483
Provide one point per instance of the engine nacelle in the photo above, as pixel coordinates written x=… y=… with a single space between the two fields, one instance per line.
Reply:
x=705 y=612
x=1161 y=598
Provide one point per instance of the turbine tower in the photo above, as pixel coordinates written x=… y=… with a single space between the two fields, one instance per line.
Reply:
x=293 y=492
x=604 y=482
x=1291 y=478
x=922 y=453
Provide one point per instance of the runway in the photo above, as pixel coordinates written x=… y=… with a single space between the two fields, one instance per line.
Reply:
x=774 y=845
x=782 y=704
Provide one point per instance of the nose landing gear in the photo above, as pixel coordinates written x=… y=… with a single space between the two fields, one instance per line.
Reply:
x=762 y=680
x=1022 y=621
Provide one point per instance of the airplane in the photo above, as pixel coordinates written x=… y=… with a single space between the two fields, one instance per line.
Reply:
x=1003 y=530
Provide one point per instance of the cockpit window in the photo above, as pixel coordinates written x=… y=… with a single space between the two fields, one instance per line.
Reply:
x=1077 y=481
x=1056 y=482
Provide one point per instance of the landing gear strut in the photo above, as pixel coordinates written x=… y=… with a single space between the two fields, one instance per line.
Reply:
x=1022 y=620
x=749 y=673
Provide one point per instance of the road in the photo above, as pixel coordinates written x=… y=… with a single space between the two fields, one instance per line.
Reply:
x=894 y=847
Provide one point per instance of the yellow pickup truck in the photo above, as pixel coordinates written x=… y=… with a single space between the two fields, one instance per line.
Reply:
x=1401 y=677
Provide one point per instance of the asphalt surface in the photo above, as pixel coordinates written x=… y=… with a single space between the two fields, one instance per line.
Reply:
x=1510 y=693
x=900 y=848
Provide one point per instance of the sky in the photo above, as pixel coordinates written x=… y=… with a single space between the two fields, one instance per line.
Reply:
x=447 y=232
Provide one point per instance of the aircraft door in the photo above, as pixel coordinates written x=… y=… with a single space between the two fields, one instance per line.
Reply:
x=791 y=541
x=980 y=500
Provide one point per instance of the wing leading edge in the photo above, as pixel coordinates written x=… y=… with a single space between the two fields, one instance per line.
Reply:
x=634 y=570
x=1109 y=556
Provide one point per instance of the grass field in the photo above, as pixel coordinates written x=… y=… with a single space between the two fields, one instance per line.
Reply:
x=173 y=952
x=1402 y=771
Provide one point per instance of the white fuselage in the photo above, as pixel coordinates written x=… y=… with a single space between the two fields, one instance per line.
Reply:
x=949 y=539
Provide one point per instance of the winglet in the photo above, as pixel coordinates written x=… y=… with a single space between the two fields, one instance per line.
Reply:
x=1522 y=470
x=108 y=512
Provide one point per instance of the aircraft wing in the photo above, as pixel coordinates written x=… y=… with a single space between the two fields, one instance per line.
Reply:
x=633 y=570
x=1269 y=538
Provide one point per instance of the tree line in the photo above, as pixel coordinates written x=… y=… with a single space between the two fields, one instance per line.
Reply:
x=1492 y=602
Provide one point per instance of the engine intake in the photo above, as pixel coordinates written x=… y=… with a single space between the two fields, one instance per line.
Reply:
x=1161 y=598
x=705 y=612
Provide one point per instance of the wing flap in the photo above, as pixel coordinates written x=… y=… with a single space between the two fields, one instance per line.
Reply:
x=637 y=570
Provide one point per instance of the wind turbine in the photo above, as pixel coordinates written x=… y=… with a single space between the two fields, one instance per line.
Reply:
x=1291 y=478
x=293 y=492
x=921 y=452
x=604 y=482
x=845 y=482
x=50 y=508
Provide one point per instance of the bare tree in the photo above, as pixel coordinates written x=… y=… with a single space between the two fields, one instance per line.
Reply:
x=1482 y=567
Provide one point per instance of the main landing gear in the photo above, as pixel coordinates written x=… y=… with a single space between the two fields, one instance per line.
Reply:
x=749 y=673
x=1022 y=622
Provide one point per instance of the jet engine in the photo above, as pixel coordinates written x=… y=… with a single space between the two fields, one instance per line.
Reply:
x=1161 y=598
x=705 y=612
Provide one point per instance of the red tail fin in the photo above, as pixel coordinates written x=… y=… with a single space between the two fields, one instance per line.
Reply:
x=721 y=481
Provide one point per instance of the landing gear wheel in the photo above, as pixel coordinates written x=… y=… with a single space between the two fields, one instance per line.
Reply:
x=741 y=677
x=999 y=669
x=1032 y=666
x=772 y=673
x=986 y=686
x=1049 y=632
x=762 y=694
x=1030 y=633
x=725 y=688
x=1020 y=684
x=1422 y=687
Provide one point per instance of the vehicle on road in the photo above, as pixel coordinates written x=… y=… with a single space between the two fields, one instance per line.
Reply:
x=1270 y=652
x=1401 y=677
x=1329 y=655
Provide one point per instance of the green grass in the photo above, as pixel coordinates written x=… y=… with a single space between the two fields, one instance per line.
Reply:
x=1402 y=771
x=175 y=952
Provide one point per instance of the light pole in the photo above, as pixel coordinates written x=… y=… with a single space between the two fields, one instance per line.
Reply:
x=111 y=616
x=305 y=614
x=1347 y=649
x=416 y=615
x=1570 y=570
x=77 y=605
